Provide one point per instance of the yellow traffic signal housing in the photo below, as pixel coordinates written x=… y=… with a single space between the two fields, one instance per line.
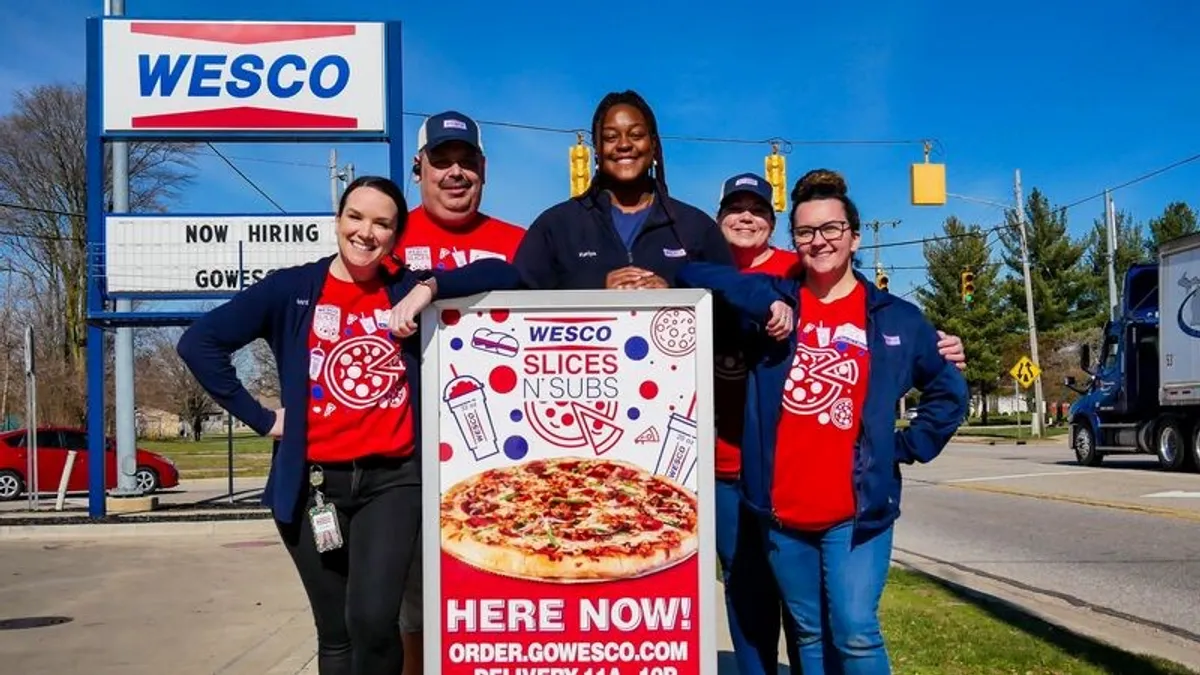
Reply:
x=580 y=167
x=928 y=182
x=881 y=280
x=775 y=167
x=968 y=287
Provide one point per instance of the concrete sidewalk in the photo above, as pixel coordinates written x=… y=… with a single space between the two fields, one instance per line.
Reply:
x=208 y=600
x=226 y=601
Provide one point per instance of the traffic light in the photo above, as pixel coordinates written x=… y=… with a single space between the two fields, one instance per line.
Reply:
x=928 y=181
x=581 y=166
x=776 y=171
x=881 y=280
x=967 y=287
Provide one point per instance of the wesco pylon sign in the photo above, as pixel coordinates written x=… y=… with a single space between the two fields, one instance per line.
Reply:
x=193 y=77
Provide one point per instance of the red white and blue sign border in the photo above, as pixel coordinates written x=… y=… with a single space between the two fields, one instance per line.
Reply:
x=561 y=302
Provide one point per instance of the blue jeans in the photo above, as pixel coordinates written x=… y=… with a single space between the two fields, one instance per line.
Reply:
x=752 y=600
x=831 y=586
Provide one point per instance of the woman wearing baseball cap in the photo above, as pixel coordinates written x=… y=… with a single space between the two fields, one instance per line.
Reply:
x=752 y=600
x=626 y=231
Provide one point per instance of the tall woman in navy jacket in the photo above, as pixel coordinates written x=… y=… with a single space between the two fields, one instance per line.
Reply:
x=344 y=484
x=821 y=454
x=626 y=231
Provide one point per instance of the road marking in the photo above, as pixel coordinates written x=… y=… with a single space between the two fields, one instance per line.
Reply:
x=1019 y=475
x=1182 y=514
x=1175 y=494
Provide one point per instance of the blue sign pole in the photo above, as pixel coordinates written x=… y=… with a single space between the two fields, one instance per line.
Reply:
x=95 y=272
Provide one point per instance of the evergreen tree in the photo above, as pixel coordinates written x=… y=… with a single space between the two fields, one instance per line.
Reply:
x=1060 y=283
x=1176 y=220
x=981 y=324
x=1128 y=252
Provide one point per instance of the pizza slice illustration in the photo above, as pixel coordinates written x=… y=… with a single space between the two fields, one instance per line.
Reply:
x=600 y=433
x=362 y=370
x=558 y=422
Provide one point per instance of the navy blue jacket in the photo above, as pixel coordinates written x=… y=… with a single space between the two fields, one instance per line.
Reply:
x=279 y=309
x=902 y=345
x=574 y=244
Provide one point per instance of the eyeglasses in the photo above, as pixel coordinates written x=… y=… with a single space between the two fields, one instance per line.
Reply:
x=831 y=231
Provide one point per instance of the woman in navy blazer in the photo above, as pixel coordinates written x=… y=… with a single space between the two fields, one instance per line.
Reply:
x=344 y=485
x=828 y=357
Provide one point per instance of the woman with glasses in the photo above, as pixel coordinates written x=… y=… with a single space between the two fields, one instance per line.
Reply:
x=821 y=454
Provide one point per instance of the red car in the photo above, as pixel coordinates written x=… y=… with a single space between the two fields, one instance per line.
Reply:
x=153 y=470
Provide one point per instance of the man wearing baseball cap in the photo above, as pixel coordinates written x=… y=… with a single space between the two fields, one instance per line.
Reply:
x=447 y=230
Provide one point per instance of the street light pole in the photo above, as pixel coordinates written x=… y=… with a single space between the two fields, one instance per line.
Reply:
x=1036 y=426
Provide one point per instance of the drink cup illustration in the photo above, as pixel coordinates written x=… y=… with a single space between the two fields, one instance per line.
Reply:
x=677 y=458
x=468 y=403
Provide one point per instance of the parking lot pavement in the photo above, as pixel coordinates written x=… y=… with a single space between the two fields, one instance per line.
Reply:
x=227 y=605
x=213 y=604
x=1049 y=471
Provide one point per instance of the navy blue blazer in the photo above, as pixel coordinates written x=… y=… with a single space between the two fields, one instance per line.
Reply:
x=279 y=310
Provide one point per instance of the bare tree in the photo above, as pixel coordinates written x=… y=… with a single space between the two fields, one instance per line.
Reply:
x=166 y=381
x=263 y=377
x=43 y=173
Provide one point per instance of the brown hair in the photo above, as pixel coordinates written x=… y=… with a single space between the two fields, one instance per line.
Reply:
x=825 y=184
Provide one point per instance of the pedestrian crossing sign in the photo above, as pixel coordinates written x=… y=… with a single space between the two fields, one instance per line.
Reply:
x=1025 y=372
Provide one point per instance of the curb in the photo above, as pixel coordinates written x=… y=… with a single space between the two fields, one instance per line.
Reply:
x=255 y=527
x=1128 y=636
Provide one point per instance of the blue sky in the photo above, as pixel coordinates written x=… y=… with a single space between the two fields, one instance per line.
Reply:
x=1076 y=99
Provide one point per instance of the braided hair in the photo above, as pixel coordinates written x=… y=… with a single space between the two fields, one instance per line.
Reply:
x=633 y=99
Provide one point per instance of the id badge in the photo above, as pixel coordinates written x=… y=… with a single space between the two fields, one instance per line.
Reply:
x=326 y=532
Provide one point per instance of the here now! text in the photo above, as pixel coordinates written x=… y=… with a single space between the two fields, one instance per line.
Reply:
x=546 y=615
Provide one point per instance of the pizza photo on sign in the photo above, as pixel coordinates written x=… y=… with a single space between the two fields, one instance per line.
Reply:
x=569 y=520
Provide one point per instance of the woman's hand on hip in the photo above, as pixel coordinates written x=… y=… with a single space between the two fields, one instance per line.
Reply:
x=276 y=431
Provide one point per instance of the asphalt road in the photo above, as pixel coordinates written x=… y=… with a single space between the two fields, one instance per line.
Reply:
x=1000 y=510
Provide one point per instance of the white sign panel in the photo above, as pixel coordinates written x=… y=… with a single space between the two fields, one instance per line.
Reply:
x=177 y=76
x=208 y=254
x=569 y=467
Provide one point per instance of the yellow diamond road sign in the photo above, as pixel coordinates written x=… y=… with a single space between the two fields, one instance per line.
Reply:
x=1025 y=372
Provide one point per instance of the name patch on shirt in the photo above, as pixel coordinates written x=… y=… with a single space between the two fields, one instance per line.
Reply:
x=674 y=253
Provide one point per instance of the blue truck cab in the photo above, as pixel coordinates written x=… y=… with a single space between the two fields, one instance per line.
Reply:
x=1143 y=395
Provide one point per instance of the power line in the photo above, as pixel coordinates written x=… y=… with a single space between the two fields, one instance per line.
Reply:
x=785 y=144
x=245 y=177
x=34 y=209
x=1133 y=181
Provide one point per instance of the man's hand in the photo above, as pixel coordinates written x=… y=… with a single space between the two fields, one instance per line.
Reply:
x=403 y=319
x=276 y=431
x=781 y=322
x=951 y=348
x=631 y=277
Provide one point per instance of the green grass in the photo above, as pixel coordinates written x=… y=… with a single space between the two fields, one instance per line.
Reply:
x=209 y=457
x=1023 y=432
x=934 y=629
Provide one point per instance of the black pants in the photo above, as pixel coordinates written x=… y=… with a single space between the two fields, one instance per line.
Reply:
x=355 y=590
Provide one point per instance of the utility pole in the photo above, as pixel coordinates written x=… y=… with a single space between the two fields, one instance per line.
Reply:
x=1033 y=342
x=1110 y=221
x=339 y=177
x=123 y=399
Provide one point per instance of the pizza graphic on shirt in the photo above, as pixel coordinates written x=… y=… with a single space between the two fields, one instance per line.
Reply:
x=576 y=424
x=363 y=371
x=820 y=382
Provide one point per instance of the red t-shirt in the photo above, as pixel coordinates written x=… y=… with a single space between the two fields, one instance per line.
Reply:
x=426 y=245
x=729 y=380
x=358 y=389
x=823 y=396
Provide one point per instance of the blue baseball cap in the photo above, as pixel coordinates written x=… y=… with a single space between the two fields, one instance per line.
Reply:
x=747 y=182
x=448 y=126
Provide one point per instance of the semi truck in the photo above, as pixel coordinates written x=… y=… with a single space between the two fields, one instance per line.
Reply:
x=1143 y=393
